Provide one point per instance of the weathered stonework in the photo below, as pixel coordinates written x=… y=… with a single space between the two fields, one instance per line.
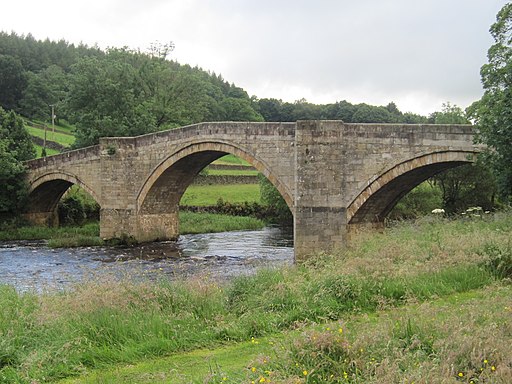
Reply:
x=332 y=175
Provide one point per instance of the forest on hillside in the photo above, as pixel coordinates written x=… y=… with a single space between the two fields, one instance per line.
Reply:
x=125 y=92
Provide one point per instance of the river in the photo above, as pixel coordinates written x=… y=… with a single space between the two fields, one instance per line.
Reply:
x=32 y=266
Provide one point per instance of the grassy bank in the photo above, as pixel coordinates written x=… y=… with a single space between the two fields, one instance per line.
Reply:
x=89 y=234
x=203 y=195
x=101 y=324
x=421 y=343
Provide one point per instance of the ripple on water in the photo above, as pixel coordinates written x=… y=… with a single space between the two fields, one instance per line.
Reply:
x=30 y=265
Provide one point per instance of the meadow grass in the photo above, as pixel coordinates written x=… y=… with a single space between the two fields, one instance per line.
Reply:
x=191 y=222
x=49 y=151
x=418 y=342
x=204 y=195
x=61 y=138
x=102 y=323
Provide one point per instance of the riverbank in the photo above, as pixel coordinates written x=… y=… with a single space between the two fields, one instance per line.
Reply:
x=405 y=270
x=89 y=234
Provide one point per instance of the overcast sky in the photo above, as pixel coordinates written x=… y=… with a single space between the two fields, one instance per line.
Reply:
x=417 y=53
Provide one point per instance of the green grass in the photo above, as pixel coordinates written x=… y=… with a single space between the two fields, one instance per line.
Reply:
x=61 y=125
x=49 y=151
x=207 y=223
x=203 y=195
x=47 y=233
x=62 y=139
x=231 y=160
x=232 y=172
x=88 y=235
x=366 y=342
x=109 y=323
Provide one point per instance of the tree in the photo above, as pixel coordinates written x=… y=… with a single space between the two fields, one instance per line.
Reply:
x=44 y=88
x=493 y=112
x=467 y=185
x=450 y=114
x=16 y=139
x=12 y=81
x=15 y=147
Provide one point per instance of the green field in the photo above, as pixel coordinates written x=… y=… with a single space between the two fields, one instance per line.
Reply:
x=61 y=138
x=204 y=195
x=49 y=151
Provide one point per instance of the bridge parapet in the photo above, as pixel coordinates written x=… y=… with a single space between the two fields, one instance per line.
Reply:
x=82 y=154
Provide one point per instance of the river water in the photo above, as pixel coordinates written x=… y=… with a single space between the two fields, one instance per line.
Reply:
x=33 y=266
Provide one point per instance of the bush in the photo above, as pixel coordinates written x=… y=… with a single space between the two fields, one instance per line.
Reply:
x=271 y=198
x=77 y=207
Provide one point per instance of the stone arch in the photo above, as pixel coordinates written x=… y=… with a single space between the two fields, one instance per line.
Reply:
x=46 y=190
x=172 y=176
x=378 y=198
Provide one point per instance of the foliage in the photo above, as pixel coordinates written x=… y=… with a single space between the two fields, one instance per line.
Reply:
x=15 y=147
x=77 y=207
x=12 y=81
x=271 y=197
x=13 y=189
x=418 y=202
x=277 y=110
x=493 y=112
x=13 y=131
x=449 y=114
x=467 y=186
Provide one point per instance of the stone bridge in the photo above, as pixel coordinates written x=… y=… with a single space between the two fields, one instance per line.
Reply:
x=332 y=175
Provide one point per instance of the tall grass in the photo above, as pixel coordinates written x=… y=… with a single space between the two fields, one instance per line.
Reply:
x=191 y=222
x=99 y=323
x=88 y=234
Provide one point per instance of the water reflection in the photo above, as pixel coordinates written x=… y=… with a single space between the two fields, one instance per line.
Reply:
x=33 y=266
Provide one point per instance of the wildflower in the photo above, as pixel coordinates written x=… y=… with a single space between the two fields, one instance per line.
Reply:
x=340 y=330
x=305 y=373
x=253 y=369
x=461 y=374
x=493 y=368
x=345 y=375
x=262 y=379
x=485 y=361
x=224 y=378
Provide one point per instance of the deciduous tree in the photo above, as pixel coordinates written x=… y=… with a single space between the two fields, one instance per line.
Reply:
x=493 y=113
